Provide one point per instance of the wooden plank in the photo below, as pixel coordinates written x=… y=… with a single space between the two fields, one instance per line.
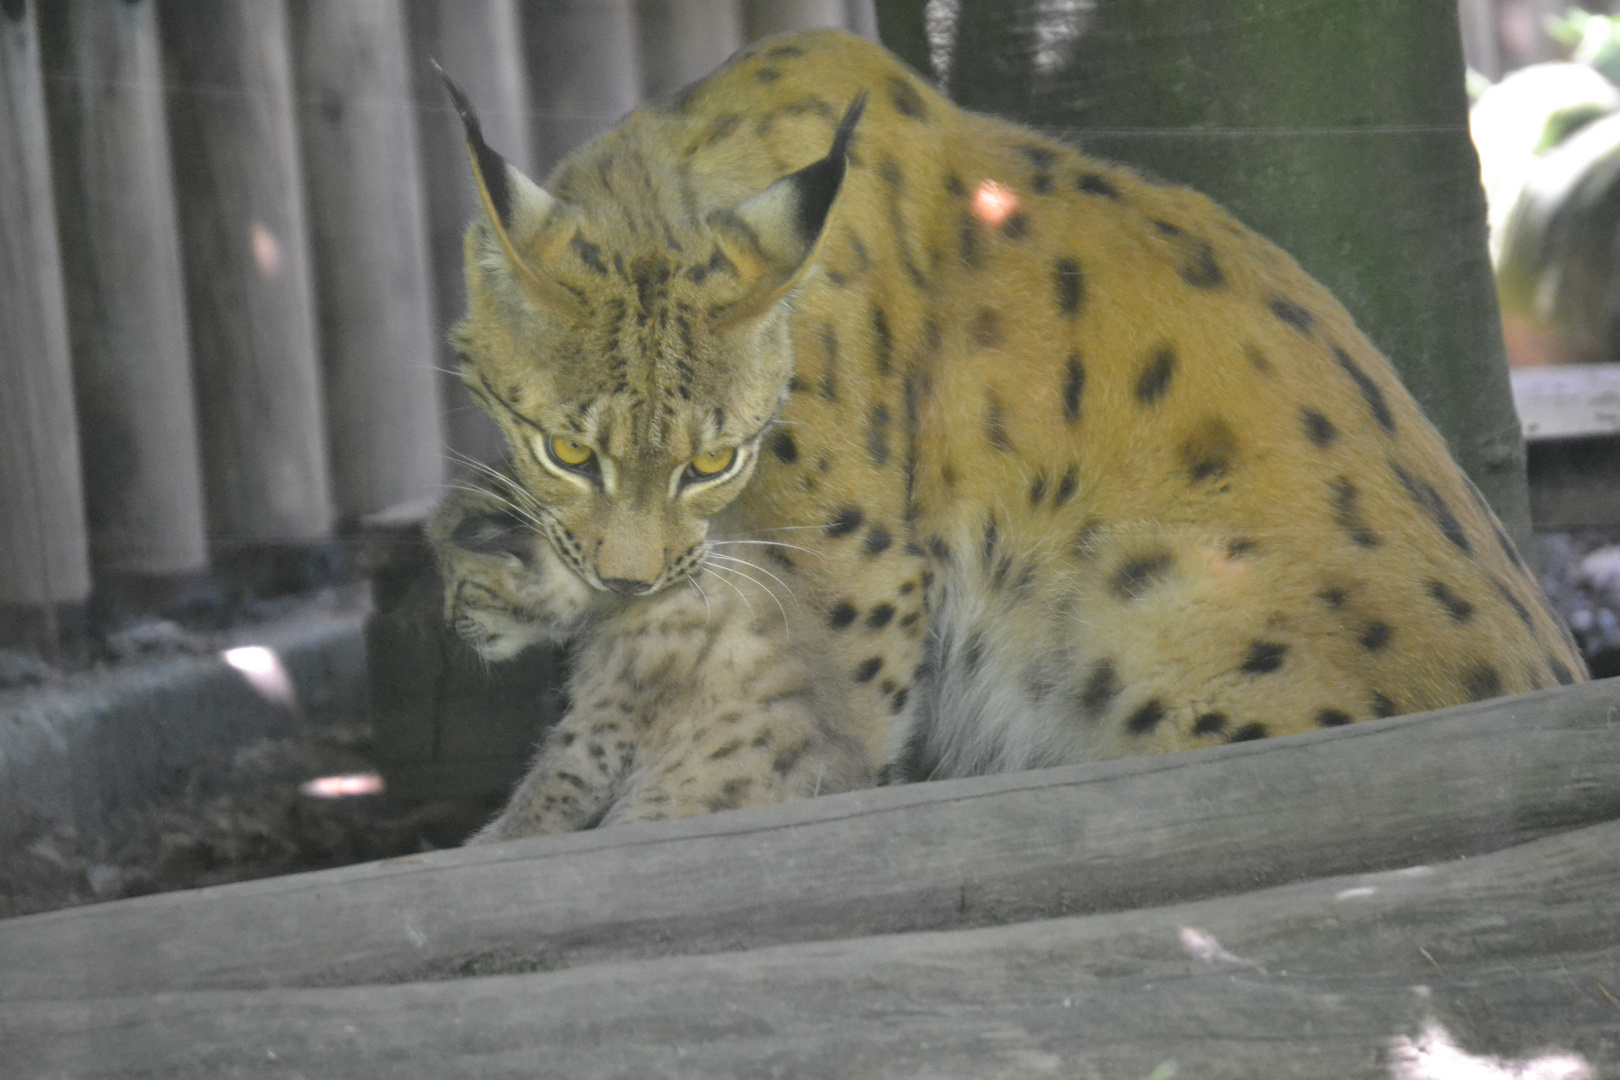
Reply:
x=239 y=188
x=368 y=236
x=1514 y=954
x=1101 y=837
x=125 y=288
x=478 y=43
x=1569 y=402
x=44 y=554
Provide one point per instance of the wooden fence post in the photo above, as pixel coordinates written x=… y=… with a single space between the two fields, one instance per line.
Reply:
x=125 y=290
x=44 y=559
x=682 y=40
x=239 y=185
x=367 y=236
x=478 y=43
x=584 y=70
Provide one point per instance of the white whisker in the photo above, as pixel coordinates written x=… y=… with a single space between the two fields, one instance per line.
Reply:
x=755 y=566
x=714 y=570
x=774 y=543
x=749 y=577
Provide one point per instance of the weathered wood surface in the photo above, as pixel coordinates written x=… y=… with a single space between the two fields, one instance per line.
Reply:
x=125 y=288
x=478 y=42
x=1569 y=402
x=239 y=187
x=1104 y=837
x=1515 y=954
x=44 y=553
x=764 y=17
x=368 y=238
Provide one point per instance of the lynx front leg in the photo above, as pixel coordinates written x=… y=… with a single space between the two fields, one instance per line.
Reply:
x=576 y=774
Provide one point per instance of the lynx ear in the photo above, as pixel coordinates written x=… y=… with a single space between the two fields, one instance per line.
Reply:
x=774 y=233
x=518 y=209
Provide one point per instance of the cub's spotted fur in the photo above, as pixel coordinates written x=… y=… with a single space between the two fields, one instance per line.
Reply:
x=1009 y=456
x=679 y=707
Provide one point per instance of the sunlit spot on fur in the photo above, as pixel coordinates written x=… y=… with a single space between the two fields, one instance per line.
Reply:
x=993 y=203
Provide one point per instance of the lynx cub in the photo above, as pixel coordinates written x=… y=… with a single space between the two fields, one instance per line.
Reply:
x=909 y=435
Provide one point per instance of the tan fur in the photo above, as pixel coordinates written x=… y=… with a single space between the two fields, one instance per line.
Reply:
x=1103 y=474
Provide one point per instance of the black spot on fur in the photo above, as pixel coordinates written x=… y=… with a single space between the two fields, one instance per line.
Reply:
x=880 y=616
x=988 y=549
x=768 y=75
x=1209 y=723
x=842 y=615
x=1070 y=285
x=1292 y=314
x=1515 y=603
x=785 y=449
x=1318 y=428
x=1481 y=682
x=1037 y=489
x=1376 y=636
x=1423 y=493
x=986 y=329
x=1074 y=384
x=1332 y=717
x=1459 y=609
x=1137 y=576
x=1065 y=488
x=1201 y=271
x=1382 y=706
x=967 y=240
x=868 y=669
x=848 y=519
x=1154 y=380
x=1015 y=226
x=787 y=759
x=589 y=254
x=1092 y=184
x=1146 y=717
x=1249 y=733
x=1347 y=513
x=897 y=703
x=1101 y=688
x=1560 y=672
x=883 y=342
x=1264 y=657
x=877 y=435
x=907 y=101
x=1208 y=452
x=1370 y=390
x=878 y=540
x=995 y=424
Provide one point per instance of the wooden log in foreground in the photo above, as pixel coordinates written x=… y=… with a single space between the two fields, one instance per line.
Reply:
x=1513 y=954
x=991 y=850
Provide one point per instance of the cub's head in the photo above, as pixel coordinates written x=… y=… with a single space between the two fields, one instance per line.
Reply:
x=634 y=354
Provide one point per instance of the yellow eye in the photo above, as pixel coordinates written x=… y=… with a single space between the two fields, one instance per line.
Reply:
x=570 y=451
x=715 y=461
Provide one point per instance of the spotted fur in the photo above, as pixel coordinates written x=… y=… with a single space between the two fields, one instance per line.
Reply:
x=1036 y=461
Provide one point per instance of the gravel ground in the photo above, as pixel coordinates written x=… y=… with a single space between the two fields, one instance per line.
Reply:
x=243 y=814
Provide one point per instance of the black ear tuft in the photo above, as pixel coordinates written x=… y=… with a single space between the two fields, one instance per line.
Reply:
x=491 y=166
x=818 y=183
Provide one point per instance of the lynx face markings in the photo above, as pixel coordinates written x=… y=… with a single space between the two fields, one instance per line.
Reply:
x=1018 y=458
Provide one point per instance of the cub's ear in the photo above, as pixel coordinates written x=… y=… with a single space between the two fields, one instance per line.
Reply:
x=772 y=235
x=519 y=210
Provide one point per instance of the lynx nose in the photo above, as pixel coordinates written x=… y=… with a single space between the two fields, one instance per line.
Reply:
x=627 y=586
